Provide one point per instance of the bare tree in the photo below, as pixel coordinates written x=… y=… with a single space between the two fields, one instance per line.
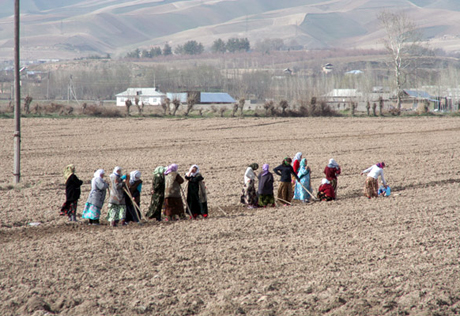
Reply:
x=191 y=101
x=402 y=41
x=27 y=101
x=368 y=108
x=268 y=106
x=164 y=107
x=235 y=109
x=176 y=104
x=381 y=106
x=128 y=104
x=241 y=103
x=222 y=110
x=140 y=107
x=353 y=108
x=168 y=105
x=284 y=105
x=374 y=109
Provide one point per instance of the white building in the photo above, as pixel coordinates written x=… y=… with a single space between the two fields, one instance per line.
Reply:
x=150 y=96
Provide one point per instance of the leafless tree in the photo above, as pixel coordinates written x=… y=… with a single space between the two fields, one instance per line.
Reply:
x=191 y=101
x=284 y=105
x=27 y=101
x=241 y=103
x=374 y=109
x=381 y=106
x=128 y=104
x=268 y=105
x=402 y=41
x=222 y=111
x=164 y=107
x=176 y=104
x=353 y=108
x=168 y=105
x=235 y=109
x=368 y=108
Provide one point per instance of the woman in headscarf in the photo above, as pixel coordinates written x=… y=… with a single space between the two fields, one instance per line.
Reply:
x=296 y=167
x=158 y=194
x=331 y=171
x=249 y=190
x=304 y=175
x=117 y=202
x=373 y=172
x=285 y=170
x=196 y=193
x=93 y=206
x=265 y=189
x=173 y=199
x=72 y=193
x=326 y=191
x=134 y=183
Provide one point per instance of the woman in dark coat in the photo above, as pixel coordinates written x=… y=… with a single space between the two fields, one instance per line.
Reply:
x=72 y=193
x=158 y=194
x=285 y=170
x=134 y=183
x=196 y=193
x=265 y=190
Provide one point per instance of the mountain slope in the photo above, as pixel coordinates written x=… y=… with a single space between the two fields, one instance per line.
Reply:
x=74 y=28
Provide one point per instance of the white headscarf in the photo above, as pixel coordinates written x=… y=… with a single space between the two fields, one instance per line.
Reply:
x=133 y=176
x=115 y=170
x=97 y=174
x=325 y=181
x=297 y=156
x=192 y=174
x=332 y=163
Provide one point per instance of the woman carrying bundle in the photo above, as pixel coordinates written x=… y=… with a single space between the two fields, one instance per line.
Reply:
x=285 y=170
x=249 y=190
x=134 y=184
x=72 y=193
x=265 y=190
x=331 y=171
x=304 y=175
x=196 y=193
x=372 y=185
x=93 y=206
x=158 y=194
x=173 y=199
x=117 y=204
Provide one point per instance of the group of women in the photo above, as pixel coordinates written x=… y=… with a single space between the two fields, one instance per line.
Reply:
x=295 y=183
x=125 y=191
x=167 y=194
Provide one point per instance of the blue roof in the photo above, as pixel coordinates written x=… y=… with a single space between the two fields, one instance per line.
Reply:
x=216 y=97
x=417 y=94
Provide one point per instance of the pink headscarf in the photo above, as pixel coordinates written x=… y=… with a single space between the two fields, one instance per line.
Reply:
x=265 y=169
x=381 y=164
x=171 y=168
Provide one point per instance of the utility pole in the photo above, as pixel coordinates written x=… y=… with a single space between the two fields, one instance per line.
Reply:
x=17 y=98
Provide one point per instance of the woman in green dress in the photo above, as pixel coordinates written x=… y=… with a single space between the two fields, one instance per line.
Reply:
x=158 y=194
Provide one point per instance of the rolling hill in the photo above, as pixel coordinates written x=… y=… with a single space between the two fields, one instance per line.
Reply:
x=76 y=28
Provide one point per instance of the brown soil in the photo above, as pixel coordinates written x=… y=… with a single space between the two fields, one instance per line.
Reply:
x=397 y=255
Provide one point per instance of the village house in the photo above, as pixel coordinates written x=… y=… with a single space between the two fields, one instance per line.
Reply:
x=148 y=96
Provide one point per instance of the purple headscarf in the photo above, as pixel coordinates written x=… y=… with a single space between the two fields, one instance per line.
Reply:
x=171 y=168
x=381 y=164
x=265 y=168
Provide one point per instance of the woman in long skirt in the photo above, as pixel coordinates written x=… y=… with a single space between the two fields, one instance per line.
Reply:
x=134 y=182
x=326 y=191
x=372 y=185
x=296 y=166
x=158 y=194
x=93 y=206
x=117 y=204
x=304 y=175
x=265 y=189
x=72 y=193
x=332 y=170
x=285 y=170
x=196 y=193
x=249 y=190
x=173 y=199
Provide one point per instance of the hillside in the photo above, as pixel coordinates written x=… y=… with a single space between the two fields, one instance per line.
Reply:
x=82 y=27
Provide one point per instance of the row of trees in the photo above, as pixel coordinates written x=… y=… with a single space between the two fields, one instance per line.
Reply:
x=193 y=47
